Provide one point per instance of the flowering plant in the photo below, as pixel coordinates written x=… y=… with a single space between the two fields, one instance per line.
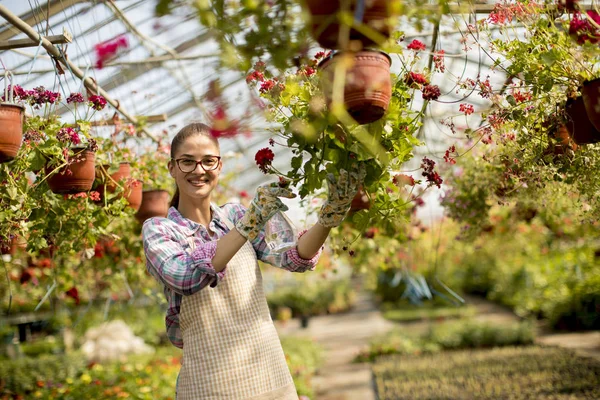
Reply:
x=324 y=138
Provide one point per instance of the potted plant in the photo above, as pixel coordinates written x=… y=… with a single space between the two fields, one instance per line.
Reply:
x=152 y=169
x=368 y=22
x=11 y=121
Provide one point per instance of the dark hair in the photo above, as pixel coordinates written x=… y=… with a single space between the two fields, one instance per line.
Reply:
x=193 y=129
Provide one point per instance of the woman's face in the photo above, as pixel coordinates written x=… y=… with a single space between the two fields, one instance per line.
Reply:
x=197 y=183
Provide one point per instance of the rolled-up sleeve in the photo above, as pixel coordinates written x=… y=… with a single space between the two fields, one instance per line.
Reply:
x=167 y=260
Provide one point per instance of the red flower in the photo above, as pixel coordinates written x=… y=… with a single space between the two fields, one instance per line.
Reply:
x=466 y=108
x=264 y=158
x=74 y=294
x=244 y=195
x=415 y=78
x=438 y=61
x=416 y=45
x=75 y=98
x=448 y=156
x=431 y=92
x=267 y=85
x=319 y=54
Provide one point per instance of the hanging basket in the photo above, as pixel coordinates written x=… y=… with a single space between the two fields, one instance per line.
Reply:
x=578 y=124
x=132 y=187
x=372 y=15
x=368 y=85
x=155 y=203
x=76 y=177
x=591 y=100
x=11 y=123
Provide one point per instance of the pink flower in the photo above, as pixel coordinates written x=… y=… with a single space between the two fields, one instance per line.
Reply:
x=264 y=157
x=94 y=196
x=107 y=50
x=97 y=102
x=75 y=98
x=416 y=45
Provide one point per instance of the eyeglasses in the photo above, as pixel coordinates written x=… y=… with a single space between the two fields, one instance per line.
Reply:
x=209 y=163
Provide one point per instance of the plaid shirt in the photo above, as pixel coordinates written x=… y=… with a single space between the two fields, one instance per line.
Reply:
x=183 y=273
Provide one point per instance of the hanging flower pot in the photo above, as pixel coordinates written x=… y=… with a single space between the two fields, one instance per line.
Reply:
x=368 y=85
x=591 y=100
x=372 y=15
x=578 y=124
x=76 y=177
x=360 y=201
x=155 y=203
x=132 y=187
x=11 y=122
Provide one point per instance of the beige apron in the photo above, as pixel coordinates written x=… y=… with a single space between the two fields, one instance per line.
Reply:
x=231 y=349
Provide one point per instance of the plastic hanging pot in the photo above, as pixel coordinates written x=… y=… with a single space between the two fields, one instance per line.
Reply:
x=11 y=123
x=368 y=85
x=76 y=177
x=373 y=15
x=578 y=124
x=591 y=100
x=155 y=203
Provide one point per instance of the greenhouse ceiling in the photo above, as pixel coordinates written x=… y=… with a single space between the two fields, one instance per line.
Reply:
x=168 y=63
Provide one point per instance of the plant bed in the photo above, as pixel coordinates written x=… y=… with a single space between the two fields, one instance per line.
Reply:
x=515 y=373
x=405 y=312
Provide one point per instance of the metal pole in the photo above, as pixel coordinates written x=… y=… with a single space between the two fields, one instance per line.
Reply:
x=53 y=51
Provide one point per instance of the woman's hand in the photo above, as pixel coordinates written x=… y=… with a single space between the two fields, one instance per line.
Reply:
x=341 y=192
x=265 y=204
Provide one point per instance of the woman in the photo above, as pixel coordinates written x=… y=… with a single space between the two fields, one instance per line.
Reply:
x=206 y=258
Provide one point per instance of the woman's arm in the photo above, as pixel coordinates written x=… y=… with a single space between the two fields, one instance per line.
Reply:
x=227 y=247
x=311 y=242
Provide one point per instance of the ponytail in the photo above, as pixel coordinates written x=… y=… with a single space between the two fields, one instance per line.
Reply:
x=175 y=200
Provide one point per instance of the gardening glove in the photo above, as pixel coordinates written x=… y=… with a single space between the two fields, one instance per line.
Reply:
x=341 y=192
x=265 y=204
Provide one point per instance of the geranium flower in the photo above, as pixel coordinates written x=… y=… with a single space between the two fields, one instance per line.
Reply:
x=264 y=157
x=416 y=45
x=416 y=78
x=431 y=92
x=75 y=98
x=97 y=102
x=466 y=108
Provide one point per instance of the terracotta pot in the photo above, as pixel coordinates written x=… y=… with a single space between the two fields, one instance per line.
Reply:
x=11 y=130
x=132 y=187
x=325 y=26
x=81 y=175
x=591 y=100
x=368 y=86
x=155 y=203
x=578 y=124
x=360 y=201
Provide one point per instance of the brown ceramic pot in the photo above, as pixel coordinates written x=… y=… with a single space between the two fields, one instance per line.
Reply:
x=578 y=124
x=75 y=177
x=368 y=85
x=591 y=100
x=132 y=187
x=325 y=26
x=11 y=130
x=155 y=203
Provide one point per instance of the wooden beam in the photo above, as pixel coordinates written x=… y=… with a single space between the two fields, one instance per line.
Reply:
x=149 y=119
x=66 y=37
x=54 y=52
